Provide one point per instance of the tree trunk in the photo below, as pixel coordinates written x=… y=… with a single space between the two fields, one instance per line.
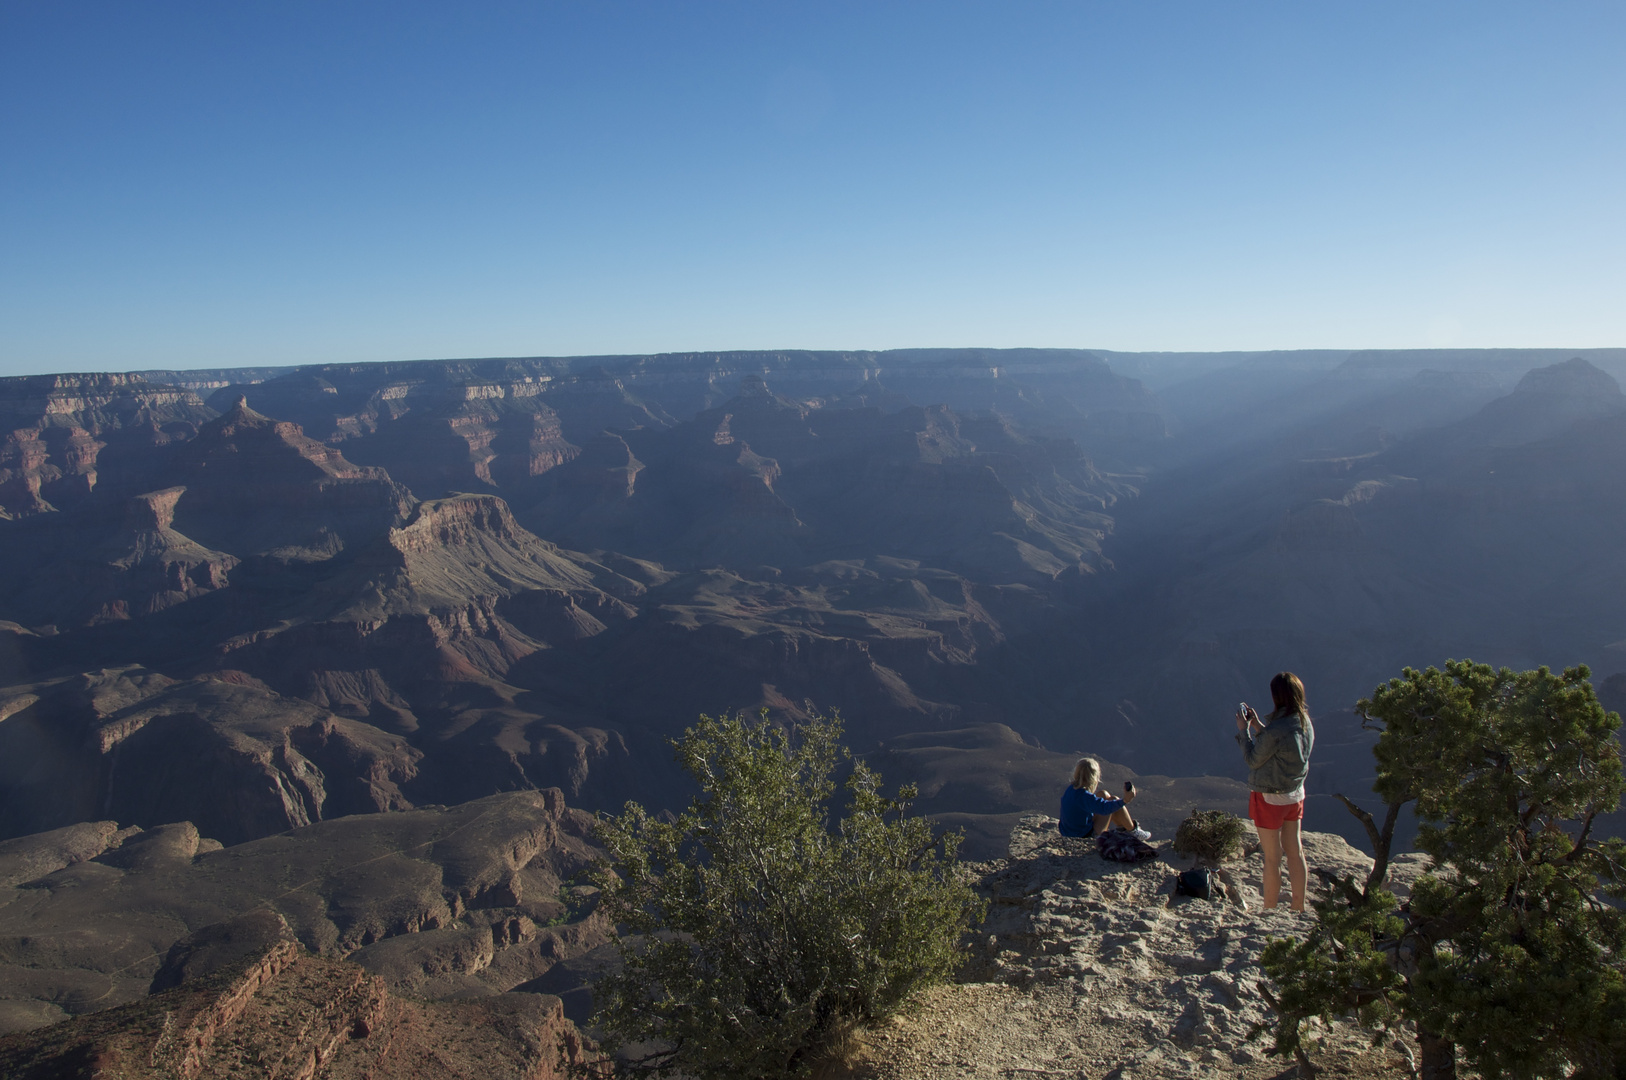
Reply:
x=1439 y=1057
x=1382 y=839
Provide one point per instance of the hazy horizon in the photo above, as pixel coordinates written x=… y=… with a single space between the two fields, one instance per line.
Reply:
x=1124 y=361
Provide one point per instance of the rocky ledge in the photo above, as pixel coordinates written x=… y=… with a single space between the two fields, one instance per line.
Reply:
x=1083 y=968
x=1087 y=968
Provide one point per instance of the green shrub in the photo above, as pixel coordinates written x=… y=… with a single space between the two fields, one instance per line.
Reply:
x=753 y=932
x=1212 y=835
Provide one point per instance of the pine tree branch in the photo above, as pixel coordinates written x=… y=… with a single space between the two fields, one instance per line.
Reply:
x=1382 y=839
x=1586 y=831
x=1365 y=818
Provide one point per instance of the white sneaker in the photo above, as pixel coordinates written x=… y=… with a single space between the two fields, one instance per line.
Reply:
x=1140 y=834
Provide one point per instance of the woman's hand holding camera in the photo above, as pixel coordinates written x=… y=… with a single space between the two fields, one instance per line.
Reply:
x=1128 y=795
x=1246 y=717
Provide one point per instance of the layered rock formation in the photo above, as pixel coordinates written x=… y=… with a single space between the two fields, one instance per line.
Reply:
x=57 y=427
x=108 y=561
x=259 y=486
x=765 y=480
x=432 y=601
x=874 y=559
x=465 y=902
x=224 y=752
x=464 y=426
x=288 y=1013
x=518 y=573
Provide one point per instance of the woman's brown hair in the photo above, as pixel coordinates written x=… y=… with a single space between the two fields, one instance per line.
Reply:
x=1287 y=692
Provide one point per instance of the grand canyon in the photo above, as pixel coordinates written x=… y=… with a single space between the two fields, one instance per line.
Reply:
x=376 y=640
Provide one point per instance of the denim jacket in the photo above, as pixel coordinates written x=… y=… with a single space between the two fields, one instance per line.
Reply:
x=1278 y=757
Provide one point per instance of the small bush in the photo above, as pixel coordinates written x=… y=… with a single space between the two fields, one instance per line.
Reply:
x=757 y=934
x=1212 y=835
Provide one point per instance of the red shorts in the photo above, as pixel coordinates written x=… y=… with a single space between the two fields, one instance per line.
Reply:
x=1268 y=816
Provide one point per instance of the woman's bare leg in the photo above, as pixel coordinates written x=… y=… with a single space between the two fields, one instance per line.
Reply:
x=1298 y=873
x=1119 y=818
x=1271 y=841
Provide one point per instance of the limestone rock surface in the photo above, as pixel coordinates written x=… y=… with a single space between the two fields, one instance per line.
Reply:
x=1090 y=968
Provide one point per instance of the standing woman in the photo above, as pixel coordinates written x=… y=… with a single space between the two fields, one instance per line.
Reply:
x=1277 y=750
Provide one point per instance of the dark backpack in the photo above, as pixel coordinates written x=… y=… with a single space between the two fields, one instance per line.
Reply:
x=1198 y=883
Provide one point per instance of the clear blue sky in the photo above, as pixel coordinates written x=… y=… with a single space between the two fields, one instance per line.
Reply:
x=261 y=183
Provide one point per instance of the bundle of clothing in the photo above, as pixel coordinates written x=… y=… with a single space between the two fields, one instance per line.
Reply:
x=1121 y=846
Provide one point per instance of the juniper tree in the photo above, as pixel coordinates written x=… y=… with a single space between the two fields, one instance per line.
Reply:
x=753 y=931
x=1507 y=951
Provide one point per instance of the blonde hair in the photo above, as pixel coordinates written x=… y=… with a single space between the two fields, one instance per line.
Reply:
x=1087 y=773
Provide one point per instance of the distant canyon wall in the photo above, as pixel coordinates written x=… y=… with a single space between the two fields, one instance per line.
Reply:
x=345 y=588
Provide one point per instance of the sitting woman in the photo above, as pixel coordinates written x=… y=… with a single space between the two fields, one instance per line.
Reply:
x=1086 y=811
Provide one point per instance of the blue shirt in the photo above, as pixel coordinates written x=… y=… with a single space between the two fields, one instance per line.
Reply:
x=1079 y=808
